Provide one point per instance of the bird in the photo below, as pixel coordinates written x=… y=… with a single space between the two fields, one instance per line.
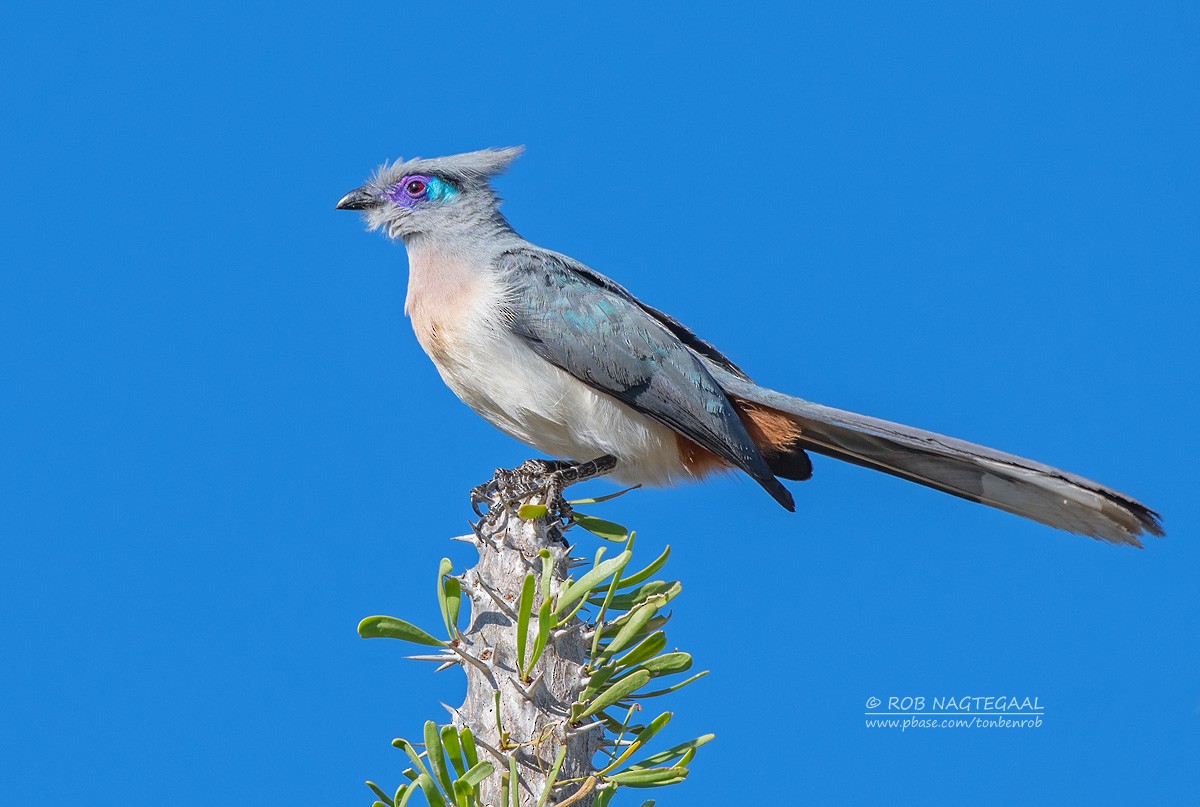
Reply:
x=570 y=363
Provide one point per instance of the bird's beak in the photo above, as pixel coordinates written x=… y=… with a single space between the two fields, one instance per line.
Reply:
x=357 y=199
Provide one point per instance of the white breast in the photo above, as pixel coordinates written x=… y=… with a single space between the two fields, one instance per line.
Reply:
x=457 y=315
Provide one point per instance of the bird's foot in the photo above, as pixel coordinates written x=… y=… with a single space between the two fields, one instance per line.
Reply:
x=546 y=479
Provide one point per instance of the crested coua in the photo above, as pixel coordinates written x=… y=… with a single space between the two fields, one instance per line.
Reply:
x=565 y=360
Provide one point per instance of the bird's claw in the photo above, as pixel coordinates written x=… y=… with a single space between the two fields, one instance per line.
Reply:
x=482 y=494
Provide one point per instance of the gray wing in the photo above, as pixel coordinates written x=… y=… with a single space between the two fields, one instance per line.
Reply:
x=977 y=473
x=593 y=329
x=681 y=331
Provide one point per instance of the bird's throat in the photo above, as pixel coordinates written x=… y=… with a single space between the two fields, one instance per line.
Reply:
x=444 y=292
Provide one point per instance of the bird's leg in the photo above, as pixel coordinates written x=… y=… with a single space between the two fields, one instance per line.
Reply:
x=539 y=468
x=548 y=477
x=566 y=474
x=573 y=472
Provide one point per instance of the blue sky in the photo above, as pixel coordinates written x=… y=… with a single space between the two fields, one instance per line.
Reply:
x=220 y=445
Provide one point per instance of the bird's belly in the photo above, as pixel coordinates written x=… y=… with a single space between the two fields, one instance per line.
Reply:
x=495 y=373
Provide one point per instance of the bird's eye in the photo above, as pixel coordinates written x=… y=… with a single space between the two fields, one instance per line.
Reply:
x=415 y=187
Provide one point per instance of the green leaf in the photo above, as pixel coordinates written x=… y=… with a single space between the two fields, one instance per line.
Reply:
x=529 y=512
x=426 y=783
x=449 y=597
x=470 y=755
x=615 y=692
x=654 y=727
x=524 y=610
x=547 y=571
x=598 y=679
x=644 y=736
x=614 y=725
x=612 y=628
x=388 y=627
x=383 y=797
x=514 y=782
x=453 y=589
x=654 y=777
x=668 y=664
x=601 y=528
x=558 y=761
x=651 y=645
x=645 y=574
x=631 y=599
x=543 y=633
x=643 y=695
x=464 y=794
x=599 y=499
x=453 y=749
x=624 y=726
x=594 y=650
x=478 y=773
x=444 y=568
x=672 y=753
x=435 y=757
x=574 y=590
x=633 y=626
x=403 y=794
x=603 y=797
x=499 y=724
x=407 y=747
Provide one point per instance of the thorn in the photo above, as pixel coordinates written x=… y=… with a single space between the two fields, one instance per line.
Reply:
x=571 y=732
x=533 y=685
x=525 y=693
x=454 y=713
x=500 y=603
x=447 y=665
x=441 y=657
x=503 y=759
x=467 y=657
x=466 y=539
x=558 y=633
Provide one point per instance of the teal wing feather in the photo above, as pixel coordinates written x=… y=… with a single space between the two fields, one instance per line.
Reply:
x=593 y=329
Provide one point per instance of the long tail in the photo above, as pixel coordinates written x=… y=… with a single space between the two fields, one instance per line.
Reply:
x=1024 y=487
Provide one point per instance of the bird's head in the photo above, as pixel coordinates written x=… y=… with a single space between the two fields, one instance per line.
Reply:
x=427 y=197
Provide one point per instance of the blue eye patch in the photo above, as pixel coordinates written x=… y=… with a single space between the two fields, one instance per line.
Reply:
x=440 y=190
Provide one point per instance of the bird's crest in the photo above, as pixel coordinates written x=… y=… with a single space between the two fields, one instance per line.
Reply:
x=471 y=168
